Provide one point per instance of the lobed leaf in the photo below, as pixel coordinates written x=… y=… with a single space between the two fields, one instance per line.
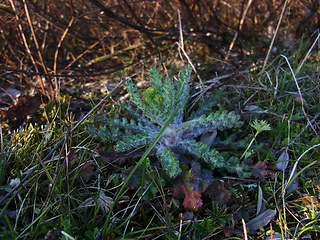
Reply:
x=215 y=121
x=132 y=142
x=169 y=162
x=203 y=151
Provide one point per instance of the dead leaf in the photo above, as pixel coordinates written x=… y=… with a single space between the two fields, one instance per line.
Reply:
x=22 y=111
x=307 y=200
x=104 y=202
x=192 y=199
x=260 y=198
x=86 y=171
x=252 y=108
x=53 y=234
x=261 y=220
x=283 y=160
x=260 y=170
x=301 y=101
x=218 y=192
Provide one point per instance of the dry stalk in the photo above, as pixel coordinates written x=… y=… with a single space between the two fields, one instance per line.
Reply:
x=244 y=229
x=181 y=47
x=38 y=50
x=56 y=56
x=1 y=141
x=308 y=53
x=85 y=51
x=43 y=90
x=237 y=33
x=274 y=37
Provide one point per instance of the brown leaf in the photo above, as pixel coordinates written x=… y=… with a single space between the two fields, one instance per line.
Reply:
x=192 y=199
x=260 y=170
x=218 y=192
x=308 y=200
x=24 y=108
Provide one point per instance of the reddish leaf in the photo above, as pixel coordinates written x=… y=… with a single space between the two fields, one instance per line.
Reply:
x=226 y=231
x=260 y=170
x=192 y=199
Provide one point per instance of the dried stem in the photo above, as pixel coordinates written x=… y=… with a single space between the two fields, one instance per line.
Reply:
x=43 y=91
x=237 y=32
x=39 y=52
x=274 y=36
x=56 y=55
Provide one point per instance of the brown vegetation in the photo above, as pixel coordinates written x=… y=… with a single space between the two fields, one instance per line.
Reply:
x=45 y=42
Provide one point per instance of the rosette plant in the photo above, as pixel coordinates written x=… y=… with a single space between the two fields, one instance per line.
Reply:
x=178 y=146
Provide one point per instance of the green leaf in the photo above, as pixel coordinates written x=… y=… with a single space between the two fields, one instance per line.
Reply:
x=203 y=151
x=133 y=142
x=203 y=124
x=168 y=161
x=155 y=79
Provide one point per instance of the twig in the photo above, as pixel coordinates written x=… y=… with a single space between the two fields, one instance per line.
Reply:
x=308 y=53
x=43 y=90
x=72 y=75
x=38 y=50
x=56 y=56
x=181 y=47
x=1 y=141
x=113 y=15
x=84 y=52
x=274 y=37
x=237 y=33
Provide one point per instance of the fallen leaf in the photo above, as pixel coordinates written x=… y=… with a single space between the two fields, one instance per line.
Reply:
x=260 y=197
x=53 y=234
x=192 y=199
x=218 y=192
x=283 y=160
x=252 y=108
x=104 y=202
x=309 y=201
x=260 y=170
x=301 y=100
x=22 y=111
x=261 y=220
x=226 y=231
